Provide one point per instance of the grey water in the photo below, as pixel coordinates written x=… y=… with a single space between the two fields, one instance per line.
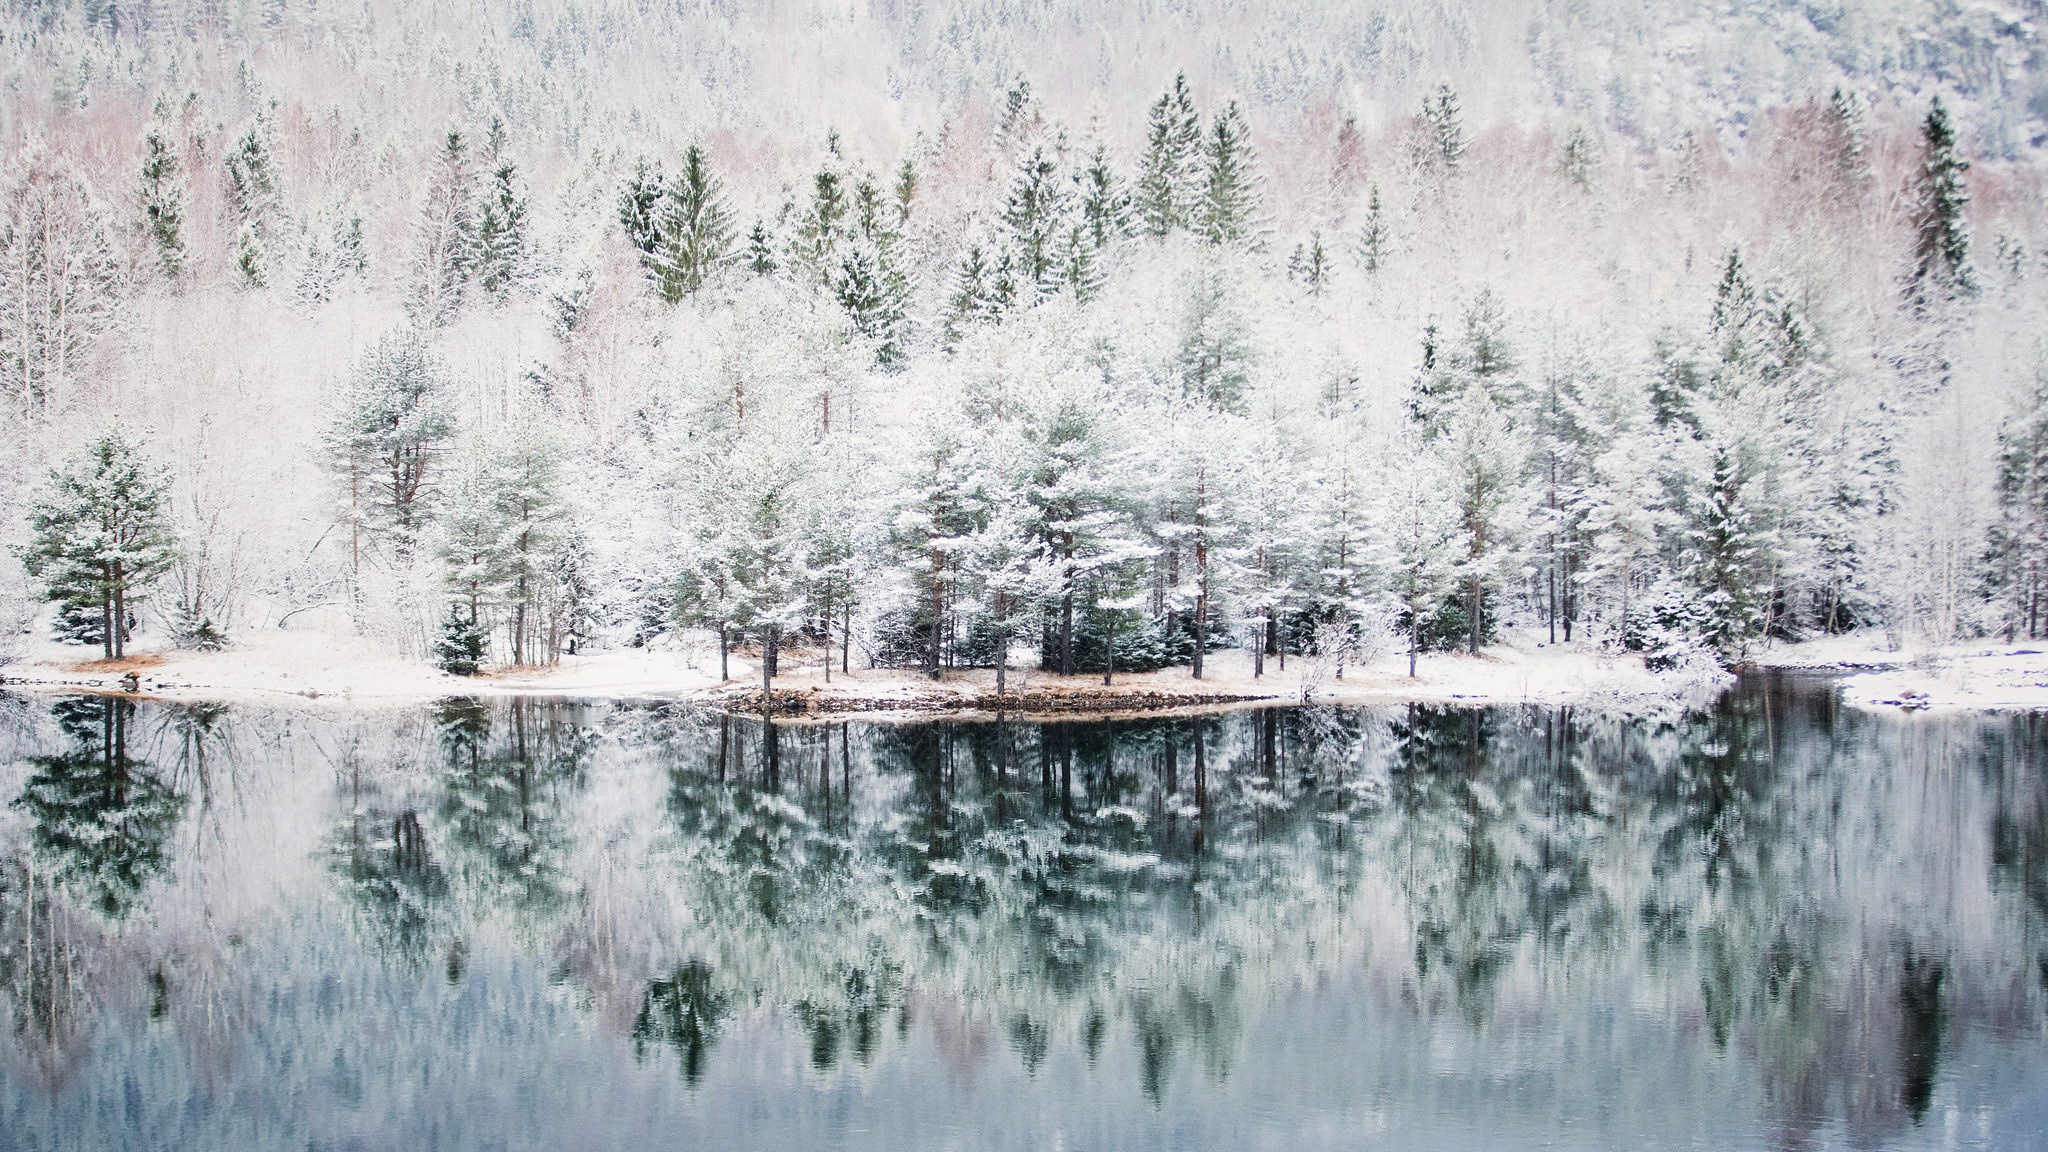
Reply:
x=1771 y=923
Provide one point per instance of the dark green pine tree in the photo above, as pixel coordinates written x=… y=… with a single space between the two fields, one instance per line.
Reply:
x=442 y=267
x=1731 y=588
x=498 y=258
x=760 y=251
x=696 y=230
x=1035 y=217
x=2017 y=573
x=1105 y=204
x=1310 y=264
x=905 y=191
x=1080 y=267
x=1169 y=180
x=872 y=295
x=1231 y=198
x=463 y=641
x=977 y=298
x=1941 y=247
x=1443 y=143
x=640 y=206
x=823 y=226
x=252 y=203
x=163 y=203
x=1375 y=239
x=100 y=533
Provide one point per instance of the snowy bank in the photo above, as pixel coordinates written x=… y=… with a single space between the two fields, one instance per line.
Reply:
x=318 y=665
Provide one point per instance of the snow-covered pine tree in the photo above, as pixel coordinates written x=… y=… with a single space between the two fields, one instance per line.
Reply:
x=1375 y=236
x=980 y=295
x=100 y=533
x=1233 y=189
x=823 y=226
x=1036 y=220
x=446 y=244
x=1941 y=246
x=2017 y=570
x=1443 y=131
x=640 y=204
x=1310 y=264
x=695 y=227
x=1170 y=178
x=384 y=438
x=253 y=202
x=533 y=522
x=760 y=258
x=162 y=198
x=498 y=255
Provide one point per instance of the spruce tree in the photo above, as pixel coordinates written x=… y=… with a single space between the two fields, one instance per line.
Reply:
x=1169 y=180
x=163 y=203
x=498 y=254
x=100 y=533
x=1375 y=239
x=443 y=264
x=384 y=441
x=1231 y=196
x=1105 y=204
x=1941 y=248
x=760 y=259
x=1310 y=264
x=2018 y=572
x=252 y=198
x=1443 y=144
x=696 y=231
x=1035 y=216
x=978 y=295
x=640 y=207
x=822 y=228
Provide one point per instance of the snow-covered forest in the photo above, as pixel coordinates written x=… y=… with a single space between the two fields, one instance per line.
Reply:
x=959 y=333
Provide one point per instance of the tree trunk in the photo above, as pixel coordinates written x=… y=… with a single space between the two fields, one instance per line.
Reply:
x=1475 y=598
x=846 y=637
x=767 y=671
x=1109 y=651
x=724 y=653
x=828 y=642
x=1201 y=630
x=1067 y=633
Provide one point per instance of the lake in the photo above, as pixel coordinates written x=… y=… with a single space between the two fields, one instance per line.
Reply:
x=1774 y=923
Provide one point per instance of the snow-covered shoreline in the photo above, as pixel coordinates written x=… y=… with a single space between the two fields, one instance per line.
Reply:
x=1959 y=677
x=341 y=669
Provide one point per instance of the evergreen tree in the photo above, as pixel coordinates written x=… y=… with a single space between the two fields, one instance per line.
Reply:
x=2018 y=569
x=760 y=259
x=533 y=533
x=1310 y=265
x=873 y=296
x=443 y=263
x=100 y=533
x=1105 y=204
x=498 y=258
x=252 y=201
x=640 y=206
x=384 y=440
x=1169 y=181
x=1375 y=239
x=980 y=294
x=823 y=227
x=1443 y=136
x=1483 y=456
x=696 y=236
x=1035 y=216
x=462 y=644
x=163 y=203
x=1423 y=539
x=1726 y=562
x=1941 y=248
x=1229 y=208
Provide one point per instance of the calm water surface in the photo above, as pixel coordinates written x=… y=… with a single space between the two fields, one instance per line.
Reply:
x=538 y=925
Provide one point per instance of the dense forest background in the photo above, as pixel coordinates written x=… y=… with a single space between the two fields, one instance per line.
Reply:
x=492 y=331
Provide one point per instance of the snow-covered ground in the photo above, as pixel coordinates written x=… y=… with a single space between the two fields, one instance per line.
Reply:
x=310 y=663
x=1958 y=676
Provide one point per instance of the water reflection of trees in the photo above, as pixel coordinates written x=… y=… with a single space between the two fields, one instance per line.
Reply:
x=1833 y=899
